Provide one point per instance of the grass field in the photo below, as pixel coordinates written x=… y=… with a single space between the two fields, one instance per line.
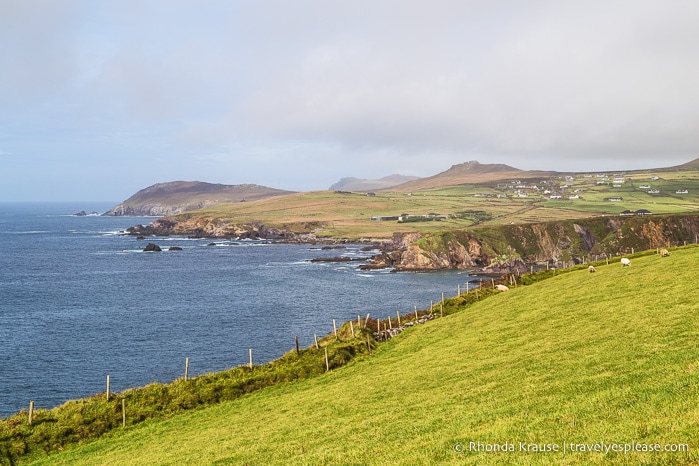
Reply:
x=348 y=215
x=578 y=359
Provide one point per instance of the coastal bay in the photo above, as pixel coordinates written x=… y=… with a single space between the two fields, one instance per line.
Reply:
x=80 y=301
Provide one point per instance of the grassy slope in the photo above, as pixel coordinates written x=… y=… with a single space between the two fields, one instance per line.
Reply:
x=611 y=356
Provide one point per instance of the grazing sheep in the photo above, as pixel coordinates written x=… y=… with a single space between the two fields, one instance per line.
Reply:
x=591 y=269
x=625 y=262
x=502 y=288
x=664 y=253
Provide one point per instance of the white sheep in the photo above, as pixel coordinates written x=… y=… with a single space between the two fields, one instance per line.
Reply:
x=625 y=262
x=502 y=288
x=591 y=269
x=664 y=253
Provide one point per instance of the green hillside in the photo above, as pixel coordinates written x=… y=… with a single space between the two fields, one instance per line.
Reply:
x=582 y=358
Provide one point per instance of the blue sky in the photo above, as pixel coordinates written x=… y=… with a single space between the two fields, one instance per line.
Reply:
x=99 y=99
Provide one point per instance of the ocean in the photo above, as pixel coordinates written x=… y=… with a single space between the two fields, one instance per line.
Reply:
x=80 y=301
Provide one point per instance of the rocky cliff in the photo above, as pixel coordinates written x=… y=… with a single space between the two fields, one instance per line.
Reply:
x=508 y=248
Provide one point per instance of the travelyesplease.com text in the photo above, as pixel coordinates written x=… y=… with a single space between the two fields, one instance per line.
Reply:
x=569 y=447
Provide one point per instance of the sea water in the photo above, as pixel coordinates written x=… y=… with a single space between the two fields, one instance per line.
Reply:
x=79 y=300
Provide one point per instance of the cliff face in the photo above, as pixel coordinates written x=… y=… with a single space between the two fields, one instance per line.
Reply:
x=510 y=248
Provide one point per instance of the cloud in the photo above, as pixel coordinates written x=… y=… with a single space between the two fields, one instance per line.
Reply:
x=393 y=86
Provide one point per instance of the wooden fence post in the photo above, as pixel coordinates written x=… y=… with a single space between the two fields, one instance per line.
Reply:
x=352 y=328
x=315 y=339
x=415 y=307
x=250 y=364
x=186 y=369
x=398 y=314
x=390 y=325
x=458 y=289
x=366 y=321
x=31 y=411
x=108 y=387
x=327 y=364
x=123 y=412
x=298 y=352
x=335 y=328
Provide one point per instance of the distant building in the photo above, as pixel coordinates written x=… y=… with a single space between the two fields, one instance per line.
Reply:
x=626 y=213
x=642 y=212
x=614 y=199
x=653 y=191
x=682 y=191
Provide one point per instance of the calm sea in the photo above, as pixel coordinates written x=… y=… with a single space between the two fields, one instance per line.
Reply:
x=79 y=301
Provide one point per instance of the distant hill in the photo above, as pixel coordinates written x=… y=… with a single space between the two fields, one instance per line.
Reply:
x=692 y=165
x=182 y=196
x=363 y=185
x=469 y=172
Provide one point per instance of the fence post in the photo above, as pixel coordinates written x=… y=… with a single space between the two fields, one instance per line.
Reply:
x=298 y=352
x=108 y=387
x=250 y=364
x=398 y=314
x=315 y=339
x=31 y=411
x=186 y=369
x=335 y=328
x=352 y=328
x=123 y=412
x=327 y=364
x=366 y=321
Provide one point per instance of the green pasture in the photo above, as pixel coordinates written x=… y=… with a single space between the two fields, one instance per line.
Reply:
x=575 y=361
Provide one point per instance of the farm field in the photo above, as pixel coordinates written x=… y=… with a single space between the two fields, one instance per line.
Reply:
x=570 y=362
x=349 y=215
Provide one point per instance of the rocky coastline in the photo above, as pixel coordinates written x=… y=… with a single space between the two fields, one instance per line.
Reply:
x=497 y=250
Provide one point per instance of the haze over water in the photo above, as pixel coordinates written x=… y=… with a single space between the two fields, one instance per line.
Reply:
x=78 y=301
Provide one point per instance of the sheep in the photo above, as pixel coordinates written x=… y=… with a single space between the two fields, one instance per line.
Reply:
x=625 y=262
x=664 y=253
x=502 y=288
x=591 y=269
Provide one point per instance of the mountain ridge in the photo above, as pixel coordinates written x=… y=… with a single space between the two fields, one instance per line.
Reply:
x=360 y=184
x=176 y=197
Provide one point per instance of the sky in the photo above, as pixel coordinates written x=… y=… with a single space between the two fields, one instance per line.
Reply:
x=99 y=99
